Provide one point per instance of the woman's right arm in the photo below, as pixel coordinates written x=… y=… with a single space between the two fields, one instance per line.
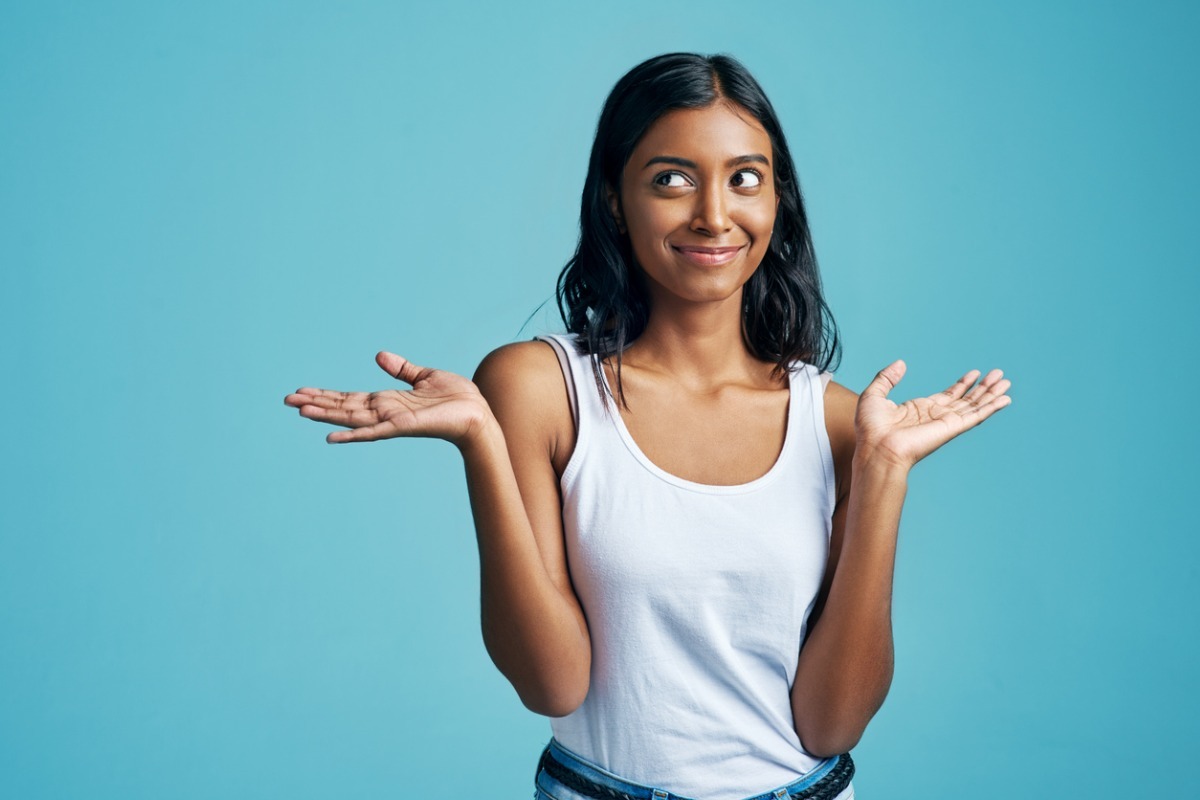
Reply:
x=514 y=429
x=533 y=626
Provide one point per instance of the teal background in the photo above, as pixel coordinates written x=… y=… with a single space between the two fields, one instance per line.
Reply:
x=206 y=205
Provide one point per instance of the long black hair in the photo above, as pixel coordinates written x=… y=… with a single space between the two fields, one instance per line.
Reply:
x=601 y=295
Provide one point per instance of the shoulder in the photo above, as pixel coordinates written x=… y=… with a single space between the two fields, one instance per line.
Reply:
x=519 y=363
x=522 y=372
x=523 y=384
x=840 y=406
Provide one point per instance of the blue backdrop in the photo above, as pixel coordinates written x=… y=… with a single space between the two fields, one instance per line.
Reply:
x=206 y=205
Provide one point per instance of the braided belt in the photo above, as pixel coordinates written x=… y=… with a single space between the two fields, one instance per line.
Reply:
x=830 y=786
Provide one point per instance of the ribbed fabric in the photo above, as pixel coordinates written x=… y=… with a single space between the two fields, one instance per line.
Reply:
x=696 y=599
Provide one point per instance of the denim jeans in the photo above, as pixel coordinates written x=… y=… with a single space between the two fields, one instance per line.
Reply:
x=562 y=775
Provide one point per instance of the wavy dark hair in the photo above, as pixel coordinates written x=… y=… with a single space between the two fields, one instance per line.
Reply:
x=601 y=295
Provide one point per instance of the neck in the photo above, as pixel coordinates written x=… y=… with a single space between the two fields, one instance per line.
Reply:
x=699 y=344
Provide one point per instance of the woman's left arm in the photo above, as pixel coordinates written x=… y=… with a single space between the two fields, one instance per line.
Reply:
x=845 y=666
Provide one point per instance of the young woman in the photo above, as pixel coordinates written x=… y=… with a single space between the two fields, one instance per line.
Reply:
x=686 y=530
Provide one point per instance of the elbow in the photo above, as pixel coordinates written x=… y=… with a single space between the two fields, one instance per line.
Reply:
x=552 y=689
x=830 y=720
x=553 y=701
x=831 y=729
x=827 y=744
x=827 y=731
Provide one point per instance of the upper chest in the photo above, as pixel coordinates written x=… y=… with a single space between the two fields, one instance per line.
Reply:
x=723 y=436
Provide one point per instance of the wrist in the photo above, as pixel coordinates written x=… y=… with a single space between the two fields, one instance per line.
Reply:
x=482 y=435
x=879 y=462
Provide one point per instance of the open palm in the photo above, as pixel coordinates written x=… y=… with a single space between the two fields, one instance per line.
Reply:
x=907 y=432
x=440 y=405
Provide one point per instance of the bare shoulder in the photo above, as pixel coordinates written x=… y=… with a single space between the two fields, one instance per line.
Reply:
x=524 y=386
x=512 y=366
x=840 y=406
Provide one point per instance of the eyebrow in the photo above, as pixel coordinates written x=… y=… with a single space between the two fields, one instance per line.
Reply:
x=733 y=162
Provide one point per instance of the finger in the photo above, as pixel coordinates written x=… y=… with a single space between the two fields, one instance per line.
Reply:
x=351 y=418
x=301 y=395
x=981 y=388
x=979 y=413
x=346 y=400
x=308 y=390
x=974 y=401
x=885 y=380
x=979 y=408
x=307 y=394
x=960 y=387
x=400 y=367
x=384 y=429
x=997 y=389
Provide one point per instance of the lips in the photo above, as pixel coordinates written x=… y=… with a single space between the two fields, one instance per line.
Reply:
x=709 y=256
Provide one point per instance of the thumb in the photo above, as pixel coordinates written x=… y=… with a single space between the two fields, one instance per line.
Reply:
x=886 y=379
x=399 y=367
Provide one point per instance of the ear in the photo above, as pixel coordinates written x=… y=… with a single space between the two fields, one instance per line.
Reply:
x=614 y=205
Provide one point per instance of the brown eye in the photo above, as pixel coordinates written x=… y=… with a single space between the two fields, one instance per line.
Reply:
x=747 y=179
x=670 y=180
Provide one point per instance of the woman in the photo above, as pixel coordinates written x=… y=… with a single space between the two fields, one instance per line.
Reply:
x=686 y=530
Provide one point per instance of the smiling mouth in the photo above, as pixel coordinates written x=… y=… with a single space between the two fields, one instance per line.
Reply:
x=709 y=256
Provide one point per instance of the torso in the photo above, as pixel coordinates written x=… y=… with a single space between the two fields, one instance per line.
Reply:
x=697 y=533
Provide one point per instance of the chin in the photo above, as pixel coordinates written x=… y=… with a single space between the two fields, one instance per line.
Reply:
x=719 y=293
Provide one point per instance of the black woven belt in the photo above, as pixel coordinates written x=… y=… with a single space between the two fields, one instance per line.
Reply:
x=830 y=786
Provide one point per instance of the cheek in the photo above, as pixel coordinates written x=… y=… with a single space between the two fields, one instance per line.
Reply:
x=651 y=225
x=760 y=221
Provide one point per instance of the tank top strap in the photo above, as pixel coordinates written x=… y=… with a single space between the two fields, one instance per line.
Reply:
x=582 y=391
x=816 y=381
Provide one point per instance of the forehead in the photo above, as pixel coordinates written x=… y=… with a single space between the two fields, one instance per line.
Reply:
x=714 y=133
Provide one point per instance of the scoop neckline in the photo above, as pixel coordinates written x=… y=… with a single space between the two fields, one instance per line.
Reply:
x=707 y=488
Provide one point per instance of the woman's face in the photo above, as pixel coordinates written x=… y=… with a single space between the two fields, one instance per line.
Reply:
x=698 y=202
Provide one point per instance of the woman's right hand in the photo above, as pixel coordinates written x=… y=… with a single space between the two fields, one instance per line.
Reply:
x=440 y=405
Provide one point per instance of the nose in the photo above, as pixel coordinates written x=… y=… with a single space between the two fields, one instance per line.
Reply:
x=711 y=217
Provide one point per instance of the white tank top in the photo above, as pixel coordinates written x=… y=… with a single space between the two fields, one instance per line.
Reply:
x=696 y=598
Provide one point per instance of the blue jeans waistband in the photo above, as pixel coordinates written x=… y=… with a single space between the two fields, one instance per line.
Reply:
x=824 y=782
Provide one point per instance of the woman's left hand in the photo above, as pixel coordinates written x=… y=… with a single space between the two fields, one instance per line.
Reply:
x=904 y=434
